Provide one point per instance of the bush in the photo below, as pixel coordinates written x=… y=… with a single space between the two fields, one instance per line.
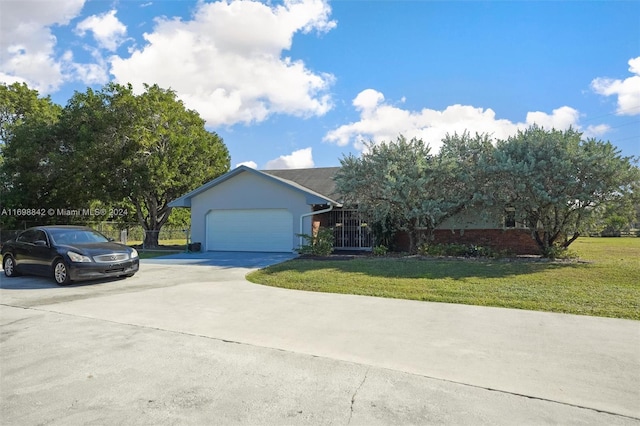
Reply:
x=557 y=252
x=458 y=250
x=320 y=244
x=380 y=250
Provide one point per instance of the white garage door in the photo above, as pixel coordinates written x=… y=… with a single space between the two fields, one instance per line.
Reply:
x=266 y=230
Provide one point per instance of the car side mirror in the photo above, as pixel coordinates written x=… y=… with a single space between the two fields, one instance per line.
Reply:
x=40 y=243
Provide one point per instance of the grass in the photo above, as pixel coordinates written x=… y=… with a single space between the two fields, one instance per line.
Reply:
x=605 y=282
x=166 y=247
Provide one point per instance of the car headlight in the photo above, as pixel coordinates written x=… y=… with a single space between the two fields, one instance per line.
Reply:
x=76 y=257
x=134 y=253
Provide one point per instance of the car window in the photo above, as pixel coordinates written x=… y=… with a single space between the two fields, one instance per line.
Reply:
x=77 y=236
x=28 y=236
x=40 y=236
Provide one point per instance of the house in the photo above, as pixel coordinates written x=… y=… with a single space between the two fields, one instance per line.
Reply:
x=266 y=211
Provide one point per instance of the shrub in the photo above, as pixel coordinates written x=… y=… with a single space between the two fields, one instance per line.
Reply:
x=557 y=252
x=320 y=244
x=380 y=250
x=458 y=250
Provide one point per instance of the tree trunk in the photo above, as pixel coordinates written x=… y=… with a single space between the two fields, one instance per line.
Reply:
x=151 y=238
x=154 y=220
x=567 y=242
x=413 y=236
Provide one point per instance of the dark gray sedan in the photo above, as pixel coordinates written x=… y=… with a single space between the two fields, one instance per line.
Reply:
x=67 y=253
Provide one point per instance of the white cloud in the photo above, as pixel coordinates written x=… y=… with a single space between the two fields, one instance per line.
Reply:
x=10 y=79
x=251 y=164
x=596 y=131
x=627 y=90
x=300 y=159
x=27 y=44
x=227 y=62
x=107 y=30
x=96 y=72
x=380 y=121
x=561 y=118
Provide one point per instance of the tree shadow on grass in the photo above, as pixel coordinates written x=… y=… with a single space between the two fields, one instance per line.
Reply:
x=424 y=268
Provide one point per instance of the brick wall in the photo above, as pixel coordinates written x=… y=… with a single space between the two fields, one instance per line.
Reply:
x=516 y=241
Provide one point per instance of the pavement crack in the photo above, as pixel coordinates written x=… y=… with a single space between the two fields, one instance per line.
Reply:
x=353 y=397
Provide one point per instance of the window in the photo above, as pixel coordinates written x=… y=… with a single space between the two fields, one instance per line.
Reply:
x=40 y=236
x=28 y=236
x=509 y=217
x=31 y=236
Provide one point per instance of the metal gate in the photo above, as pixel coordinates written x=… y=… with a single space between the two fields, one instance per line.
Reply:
x=350 y=231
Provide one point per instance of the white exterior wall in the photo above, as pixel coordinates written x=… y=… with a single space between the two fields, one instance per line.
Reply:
x=248 y=191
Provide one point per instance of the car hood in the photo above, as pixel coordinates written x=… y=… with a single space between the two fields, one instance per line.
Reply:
x=94 y=249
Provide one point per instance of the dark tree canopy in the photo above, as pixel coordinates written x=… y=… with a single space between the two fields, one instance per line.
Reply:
x=154 y=149
x=27 y=149
x=110 y=147
x=400 y=186
x=556 y=182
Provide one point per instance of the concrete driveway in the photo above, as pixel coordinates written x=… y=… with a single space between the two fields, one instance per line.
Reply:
x=189 y=341
x=223 y=259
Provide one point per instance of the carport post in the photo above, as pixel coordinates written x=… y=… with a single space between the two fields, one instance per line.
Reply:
x=302 y=216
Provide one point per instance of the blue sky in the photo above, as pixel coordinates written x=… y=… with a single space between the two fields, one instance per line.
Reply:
x=300 y=83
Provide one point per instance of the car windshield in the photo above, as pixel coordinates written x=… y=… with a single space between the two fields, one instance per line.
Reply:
x=77 y=236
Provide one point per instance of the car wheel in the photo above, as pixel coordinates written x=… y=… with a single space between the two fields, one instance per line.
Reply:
x=9 y=266
x=61 y=273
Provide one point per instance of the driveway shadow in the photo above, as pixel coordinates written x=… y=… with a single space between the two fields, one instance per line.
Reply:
x=250 y=260
x=30 y=282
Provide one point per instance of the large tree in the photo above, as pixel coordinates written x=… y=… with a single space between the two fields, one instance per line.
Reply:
x=400 y=185
x=145 y=149
x=462 y=171
x=27 y=151
x=556 y=181
x=19 y=103
x=107 y=148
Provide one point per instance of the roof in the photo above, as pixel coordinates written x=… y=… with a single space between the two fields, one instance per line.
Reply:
x=318 y=179
x=316 y=184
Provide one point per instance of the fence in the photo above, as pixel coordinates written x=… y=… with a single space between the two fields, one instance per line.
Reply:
x=131 y=234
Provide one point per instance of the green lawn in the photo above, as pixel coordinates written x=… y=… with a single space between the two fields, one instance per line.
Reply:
x=605 y=282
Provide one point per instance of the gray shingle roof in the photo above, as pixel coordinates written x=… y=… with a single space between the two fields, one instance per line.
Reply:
x=318 y=179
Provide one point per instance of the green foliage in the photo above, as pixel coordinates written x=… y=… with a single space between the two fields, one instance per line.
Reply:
x=107 y=148
x=154 y=149
x=462 y=250
x=386 y=183
x=180 y=218
x=380 y=250
x=400 y=186
x=615 y=218
x=556 y=182
x=18 y=104
x=320 y=244
x=28 y=153
x=559 y=252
